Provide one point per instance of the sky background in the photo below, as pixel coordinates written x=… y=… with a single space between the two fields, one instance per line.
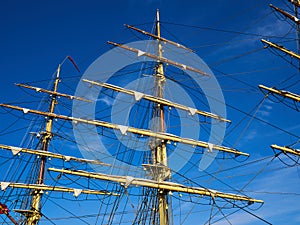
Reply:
x=36 y=36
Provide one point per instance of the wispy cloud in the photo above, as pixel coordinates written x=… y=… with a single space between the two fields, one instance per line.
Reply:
x=105 y=100
x=278 y=188
x=265 y=110
x=251 y=135
x=271 y=27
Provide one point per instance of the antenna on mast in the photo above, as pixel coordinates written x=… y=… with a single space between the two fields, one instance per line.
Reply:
x=157 y=23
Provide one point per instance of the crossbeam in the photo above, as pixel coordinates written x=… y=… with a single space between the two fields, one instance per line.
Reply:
x=281 y=48
x=16 y=150
x=291 y=17
x=283 y=93
x=142 y=132
x=71 y=97
x=285 y=149
x=160 y=59
x=158 y=100
x=158 y=38
x=44 y=187
x=162 y=185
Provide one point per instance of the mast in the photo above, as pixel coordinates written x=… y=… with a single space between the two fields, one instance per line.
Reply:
x=159 y=154
x=34 y=214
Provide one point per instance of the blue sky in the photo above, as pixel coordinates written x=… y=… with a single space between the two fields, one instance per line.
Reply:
x=36 y=36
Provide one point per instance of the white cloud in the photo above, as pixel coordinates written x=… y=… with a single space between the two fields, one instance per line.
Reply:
x=251 y=135
x=265 y=110
x=105 y=100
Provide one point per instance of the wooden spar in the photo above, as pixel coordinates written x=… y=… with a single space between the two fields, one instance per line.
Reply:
x=162 y=185
x=159 y=38
x=285 y=149
x=283 y=93
x=43 y=187
x=51 y=155
x=291 y=17
x=53 y=92
x=159 y=59
x=295 y=2
x=159 y=135
x=157 y=100
x=281 y=48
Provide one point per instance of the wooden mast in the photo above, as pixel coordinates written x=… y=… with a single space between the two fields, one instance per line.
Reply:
x=34 y=214
x=160 y=152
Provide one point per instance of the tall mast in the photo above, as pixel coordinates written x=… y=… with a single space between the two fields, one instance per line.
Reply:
x=34 y=214
x=160 y=151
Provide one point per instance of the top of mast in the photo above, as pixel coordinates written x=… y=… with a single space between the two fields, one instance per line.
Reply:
x=157 y=23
